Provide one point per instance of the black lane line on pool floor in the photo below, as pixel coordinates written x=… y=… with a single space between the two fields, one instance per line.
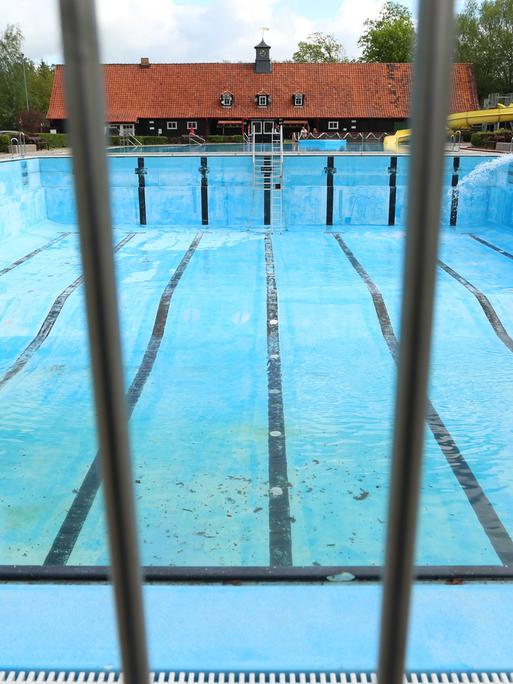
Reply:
x=454 y=192
x=28 y=256
x=491 y=246
x=48 y=324
x=484 y=303
x=203 y=169
x=280 y=537
x=141 y=172
x=71 y=527
x=329 y=170
x=392 y=183
x=483 y=508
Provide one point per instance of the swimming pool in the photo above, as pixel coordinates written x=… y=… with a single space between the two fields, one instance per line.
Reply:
x=230 y=148
x=259 y=365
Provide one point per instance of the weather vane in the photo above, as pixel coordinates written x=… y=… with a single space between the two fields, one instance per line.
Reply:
x=264 y=29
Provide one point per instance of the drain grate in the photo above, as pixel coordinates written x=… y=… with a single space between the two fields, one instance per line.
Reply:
x=36 y=677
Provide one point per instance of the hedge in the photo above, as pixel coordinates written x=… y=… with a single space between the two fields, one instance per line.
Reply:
x=478 y=139
x=55 y=139
x=4 y=143
x=224 y=138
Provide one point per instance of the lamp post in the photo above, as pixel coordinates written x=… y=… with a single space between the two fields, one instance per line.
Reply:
x=25 y=82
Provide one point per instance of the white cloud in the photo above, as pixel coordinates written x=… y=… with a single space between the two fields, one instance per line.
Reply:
x=348 y=22
x=174 y=31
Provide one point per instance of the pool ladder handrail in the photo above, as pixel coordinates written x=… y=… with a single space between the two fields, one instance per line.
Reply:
x=268 y=173
x=196 y=139
x=456 y=141
x=129 y=139
x=18 y=145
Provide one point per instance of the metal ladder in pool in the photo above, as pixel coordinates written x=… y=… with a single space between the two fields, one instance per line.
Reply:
x=268 y=174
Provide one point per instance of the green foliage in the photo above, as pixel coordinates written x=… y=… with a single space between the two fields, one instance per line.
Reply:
x=152 y=139
x=485 y=39
x=390 y=37
x=15 y=70
x=55 y=140
x=224 y=138
x=319 y=47
x=489 y=139
x=477 y=139
x=4 y=143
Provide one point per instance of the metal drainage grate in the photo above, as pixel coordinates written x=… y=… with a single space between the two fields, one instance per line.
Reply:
x=52 y=677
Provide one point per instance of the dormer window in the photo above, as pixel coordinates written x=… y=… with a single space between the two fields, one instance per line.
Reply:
x=298 y=99
x=263 y=100
x=226 y=99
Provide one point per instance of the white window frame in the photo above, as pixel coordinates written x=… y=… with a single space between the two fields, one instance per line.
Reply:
x=226 y=99
x=262 y=100
x=192 y=124
x=298 y=99
x=172 y=125
x=332 y=125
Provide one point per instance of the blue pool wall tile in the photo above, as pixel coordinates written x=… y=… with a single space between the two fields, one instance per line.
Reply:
x=57 y=180
x=172 y=191
x=361 y=190
x=22 y=197
x=33 y=190
x=233 y=200
x=304 y=183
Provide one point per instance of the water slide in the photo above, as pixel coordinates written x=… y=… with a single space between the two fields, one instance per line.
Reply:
x=456 y=121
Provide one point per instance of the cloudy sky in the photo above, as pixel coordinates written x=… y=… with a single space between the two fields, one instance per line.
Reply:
x=195 y=30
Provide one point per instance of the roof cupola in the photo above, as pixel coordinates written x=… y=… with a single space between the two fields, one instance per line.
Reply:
x=262 y=58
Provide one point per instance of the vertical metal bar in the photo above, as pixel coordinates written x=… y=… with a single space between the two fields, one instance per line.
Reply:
x=85 y=101
x=430 y=104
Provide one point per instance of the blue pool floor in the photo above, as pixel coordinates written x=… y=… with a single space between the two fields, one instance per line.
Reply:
x=202 y=452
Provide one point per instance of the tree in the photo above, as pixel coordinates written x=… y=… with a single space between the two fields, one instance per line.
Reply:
x=11 y=77
x=390 y=37
x=16 y=72
x=319 y=47
x=485 y=39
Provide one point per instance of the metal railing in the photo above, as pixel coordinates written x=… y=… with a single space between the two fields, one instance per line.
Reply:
x=456 y=141
x=86 y=119
x=431 y=85
x=18 y=145
x=196 y=139
x=85 y=101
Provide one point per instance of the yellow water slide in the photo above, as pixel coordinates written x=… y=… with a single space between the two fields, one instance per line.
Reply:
x=456 y=121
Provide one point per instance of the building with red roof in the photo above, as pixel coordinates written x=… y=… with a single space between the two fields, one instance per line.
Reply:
x=216 y=98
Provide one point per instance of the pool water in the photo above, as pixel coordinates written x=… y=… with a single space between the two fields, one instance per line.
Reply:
x=306 y=145
x=261 y=421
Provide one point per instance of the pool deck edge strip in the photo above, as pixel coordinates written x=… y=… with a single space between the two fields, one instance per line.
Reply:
x=141 y=172
x=48 y=323
x=71 y=527
x=481 y=505
x=28 y=256
x=350 y=574
x=454 y=191
x=204 y=190
x=280 y=536
x=484 y=303
x=392 y=197
x=330 y=170
x=491 y=246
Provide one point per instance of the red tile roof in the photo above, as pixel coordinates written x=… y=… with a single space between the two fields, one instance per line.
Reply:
x=189 y=91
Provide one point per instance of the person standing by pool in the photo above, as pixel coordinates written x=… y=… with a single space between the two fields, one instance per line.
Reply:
x=303 y=133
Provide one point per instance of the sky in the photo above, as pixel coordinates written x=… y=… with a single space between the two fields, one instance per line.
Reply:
x=195 y=30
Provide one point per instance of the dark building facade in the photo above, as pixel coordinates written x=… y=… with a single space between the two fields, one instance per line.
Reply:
x=232 y=98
